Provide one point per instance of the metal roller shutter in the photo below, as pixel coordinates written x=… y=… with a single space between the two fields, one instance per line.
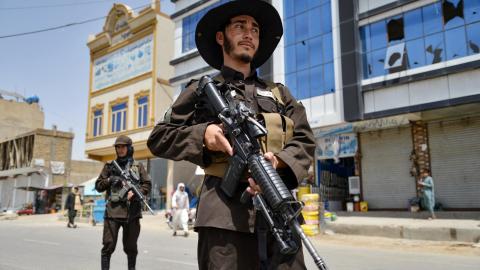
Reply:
x=455 y=158
x=386 y=179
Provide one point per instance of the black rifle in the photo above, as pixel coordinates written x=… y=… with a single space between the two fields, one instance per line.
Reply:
x=131 y=183
x=276 y=203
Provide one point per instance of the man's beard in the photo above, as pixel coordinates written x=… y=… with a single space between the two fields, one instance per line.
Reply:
x=228 y=48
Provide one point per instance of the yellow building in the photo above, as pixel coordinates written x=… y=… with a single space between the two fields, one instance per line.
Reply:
x=129 y=71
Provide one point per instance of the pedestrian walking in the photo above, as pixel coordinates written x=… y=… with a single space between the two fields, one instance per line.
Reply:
x=180 y=209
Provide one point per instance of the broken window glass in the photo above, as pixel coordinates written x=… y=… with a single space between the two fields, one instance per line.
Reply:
x=452 y=13
x=473 y=37
x=455 y=43
x=395 y=30
x=434 y=49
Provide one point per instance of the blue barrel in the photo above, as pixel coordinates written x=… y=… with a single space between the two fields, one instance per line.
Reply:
x=99 y=211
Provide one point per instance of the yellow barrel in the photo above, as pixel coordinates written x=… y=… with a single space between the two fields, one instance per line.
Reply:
x=364 y=206
x=310 y=230
x=310 y=213
x=302 y=190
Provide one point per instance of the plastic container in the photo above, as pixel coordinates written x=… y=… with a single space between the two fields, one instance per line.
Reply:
x=310 y=230
x=364 y=206
x=301 y=191
x=349 y=206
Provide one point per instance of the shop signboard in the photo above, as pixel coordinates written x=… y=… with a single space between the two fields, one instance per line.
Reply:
x=123 y=64
x=337 y=146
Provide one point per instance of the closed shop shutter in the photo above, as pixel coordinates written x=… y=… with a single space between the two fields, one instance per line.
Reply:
x=455 y=158
x=386 y=179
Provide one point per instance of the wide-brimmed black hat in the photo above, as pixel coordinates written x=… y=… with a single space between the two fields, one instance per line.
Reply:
x=271 y=30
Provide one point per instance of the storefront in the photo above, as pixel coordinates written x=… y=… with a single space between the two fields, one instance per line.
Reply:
x=335 y=163
x=455 y=160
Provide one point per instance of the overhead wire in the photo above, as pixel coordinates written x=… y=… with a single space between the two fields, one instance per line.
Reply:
x=61 y=26
x=56 y=5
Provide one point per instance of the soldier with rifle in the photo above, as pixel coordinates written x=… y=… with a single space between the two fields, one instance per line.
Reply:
x=126 y=184
x=237 y=38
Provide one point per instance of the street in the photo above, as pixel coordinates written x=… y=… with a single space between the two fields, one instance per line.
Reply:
x=43 y=242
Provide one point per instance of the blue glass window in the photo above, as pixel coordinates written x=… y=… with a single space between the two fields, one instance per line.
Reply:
x=455 y=43
x=365 y=37
x=329 y=78
x=441 y=31
x=471 y=11
x=413 y=24
x=378 y=35
x=432 y=19
x=301 y=27
x=315 y=46
x=473 y=37
x=119 y=117
x=97 y=122
x=303 y=84
x=327 y=47
x=289 y=31
x=308 y=48
x=291 y=59
x=316 y=81
x=326 y=18
x=301 y=50
x=142 y=111
x=291 y=82
x=189 y=24
x=415 y=53
x=434 y=49
x=314 y=22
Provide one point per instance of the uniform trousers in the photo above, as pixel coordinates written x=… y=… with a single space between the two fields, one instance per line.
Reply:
x=220 y=249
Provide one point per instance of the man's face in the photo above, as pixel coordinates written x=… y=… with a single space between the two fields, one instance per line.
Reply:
x=121 y=150
x=241 y=39
x=182 y=188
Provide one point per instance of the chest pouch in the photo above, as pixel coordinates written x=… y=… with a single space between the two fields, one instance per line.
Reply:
x=280 y=131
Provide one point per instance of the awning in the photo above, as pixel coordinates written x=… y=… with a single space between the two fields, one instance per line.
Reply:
x=36 y=188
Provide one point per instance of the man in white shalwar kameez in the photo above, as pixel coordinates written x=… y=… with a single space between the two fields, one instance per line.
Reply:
x=180 y=209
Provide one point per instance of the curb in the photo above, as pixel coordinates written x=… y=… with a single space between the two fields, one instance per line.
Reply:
x=406 y=232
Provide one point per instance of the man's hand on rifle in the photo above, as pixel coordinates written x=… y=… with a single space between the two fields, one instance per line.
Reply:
x=277 y=163
x=215 y=140
x=130 y=195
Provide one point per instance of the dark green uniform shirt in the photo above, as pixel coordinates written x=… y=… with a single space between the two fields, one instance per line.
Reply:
x=123 y=210
x=180 y=137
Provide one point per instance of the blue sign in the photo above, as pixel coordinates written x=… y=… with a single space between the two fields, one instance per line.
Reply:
x=123 y=64
x=337 y=146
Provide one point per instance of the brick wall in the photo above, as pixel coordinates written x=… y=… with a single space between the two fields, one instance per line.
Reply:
x=53 y=145
x=421 y=156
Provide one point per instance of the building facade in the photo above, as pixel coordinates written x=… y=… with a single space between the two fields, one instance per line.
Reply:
x=129 y=90
x=34 y=161
x=390 y=88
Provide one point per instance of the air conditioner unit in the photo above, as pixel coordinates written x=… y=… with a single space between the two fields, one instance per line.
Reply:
x=354 y=185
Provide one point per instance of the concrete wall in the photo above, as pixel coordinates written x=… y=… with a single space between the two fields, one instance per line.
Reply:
x=437 y=89
x=19 y=117
x=84 y=170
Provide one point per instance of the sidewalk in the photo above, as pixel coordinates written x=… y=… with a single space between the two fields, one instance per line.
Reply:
x=441 y=229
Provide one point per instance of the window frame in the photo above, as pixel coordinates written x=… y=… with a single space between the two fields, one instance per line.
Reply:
x=113 y=115
x=147 y=119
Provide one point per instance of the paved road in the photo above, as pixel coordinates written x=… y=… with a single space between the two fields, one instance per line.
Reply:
x=36 y=243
